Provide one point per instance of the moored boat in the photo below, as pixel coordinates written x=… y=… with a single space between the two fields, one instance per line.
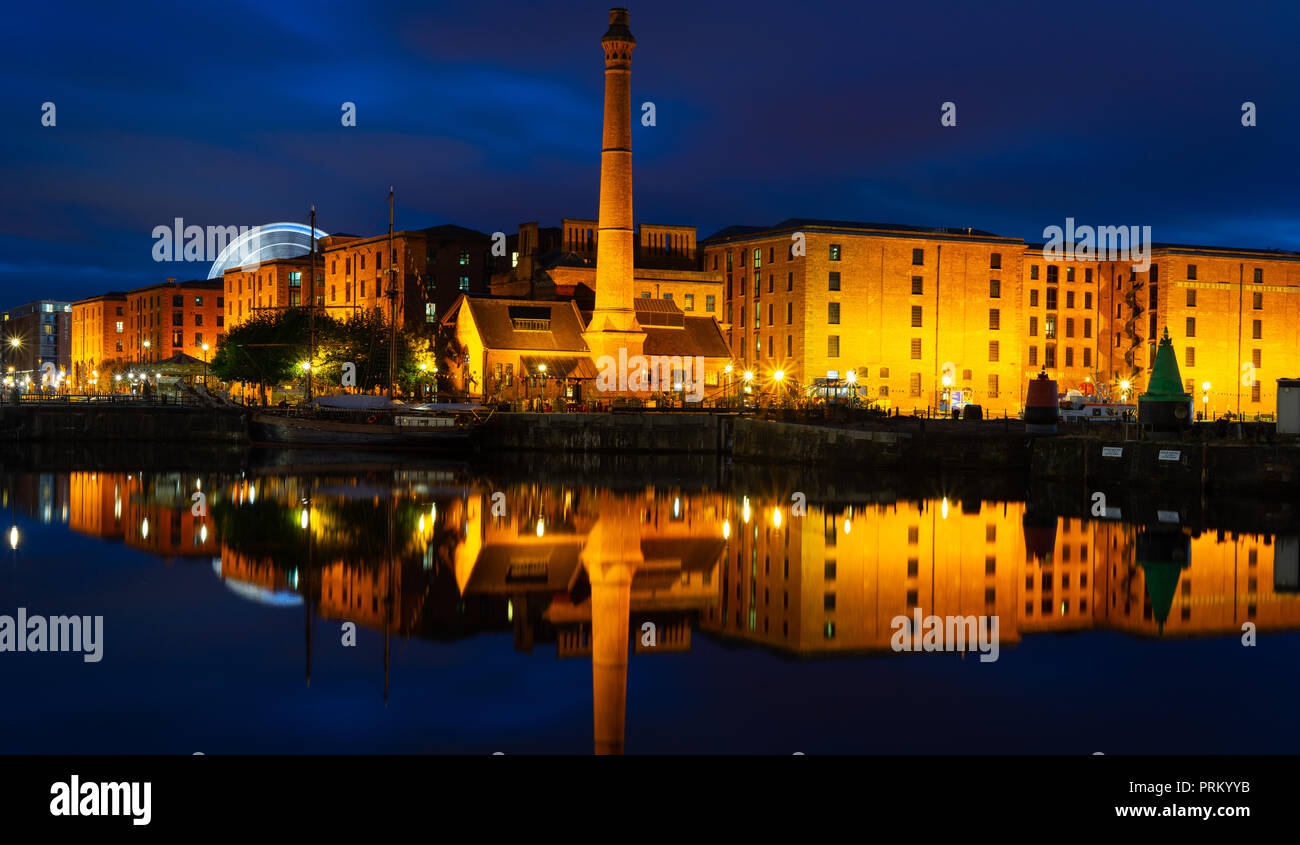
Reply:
x=381 y=423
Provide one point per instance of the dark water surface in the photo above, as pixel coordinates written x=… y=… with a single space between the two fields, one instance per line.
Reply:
x=511 y=609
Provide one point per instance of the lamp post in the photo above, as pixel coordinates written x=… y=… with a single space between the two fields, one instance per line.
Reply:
x=1205 y=399
x=778 y=379
x=727 y=369
x=947 y=393
x=852 y=378
x=205 y=366
x=749 y=377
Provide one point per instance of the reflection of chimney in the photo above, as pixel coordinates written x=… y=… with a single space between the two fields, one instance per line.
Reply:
x=613 y=321
x=611 y=556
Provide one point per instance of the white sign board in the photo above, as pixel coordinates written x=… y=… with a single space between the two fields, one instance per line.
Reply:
x=1170 y=454
x=1112 y=451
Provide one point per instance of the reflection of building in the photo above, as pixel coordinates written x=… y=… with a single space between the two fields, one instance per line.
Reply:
x=834 y=580
x=153 y=513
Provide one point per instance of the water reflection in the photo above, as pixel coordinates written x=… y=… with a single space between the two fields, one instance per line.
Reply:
x=599 y=574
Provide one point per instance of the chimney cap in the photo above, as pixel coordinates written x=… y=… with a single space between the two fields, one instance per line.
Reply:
x=618 y=31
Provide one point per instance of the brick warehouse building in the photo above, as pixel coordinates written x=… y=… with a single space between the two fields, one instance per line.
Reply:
x=98 y=335
x=436 y=265
x=903 y=307
x=1234 y=315
x=174 y=317
x=894 y=304
x=267 y=286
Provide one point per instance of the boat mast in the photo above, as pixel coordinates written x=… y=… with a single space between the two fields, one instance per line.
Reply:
x=311 y=307
x=392 y=296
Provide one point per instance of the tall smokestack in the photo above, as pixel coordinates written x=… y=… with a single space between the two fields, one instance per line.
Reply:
x=614 y=317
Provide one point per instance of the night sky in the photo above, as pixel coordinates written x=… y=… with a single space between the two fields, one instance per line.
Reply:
x=487 y=114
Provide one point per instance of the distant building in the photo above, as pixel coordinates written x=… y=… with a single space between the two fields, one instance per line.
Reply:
x=36 y=334
x=550 y=263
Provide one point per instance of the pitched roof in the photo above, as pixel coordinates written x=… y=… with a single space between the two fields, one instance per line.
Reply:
x=698 y=336
x=496 y=322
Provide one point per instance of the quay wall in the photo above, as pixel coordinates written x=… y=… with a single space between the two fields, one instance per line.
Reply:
x=119 y=422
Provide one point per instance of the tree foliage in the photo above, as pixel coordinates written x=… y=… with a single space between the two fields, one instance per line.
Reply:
x=264 y=350
x=270 y=349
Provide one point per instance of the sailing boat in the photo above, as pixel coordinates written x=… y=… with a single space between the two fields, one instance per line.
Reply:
x=361 y=420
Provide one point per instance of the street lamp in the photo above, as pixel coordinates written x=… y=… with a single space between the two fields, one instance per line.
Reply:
x=1205 y=398
x=205 y=365
x=748 y=376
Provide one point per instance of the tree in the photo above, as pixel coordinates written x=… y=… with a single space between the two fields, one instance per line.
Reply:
x=265 y=350
x=362 y=340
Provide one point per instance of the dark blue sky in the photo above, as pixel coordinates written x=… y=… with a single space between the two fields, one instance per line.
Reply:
x=488 y=114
